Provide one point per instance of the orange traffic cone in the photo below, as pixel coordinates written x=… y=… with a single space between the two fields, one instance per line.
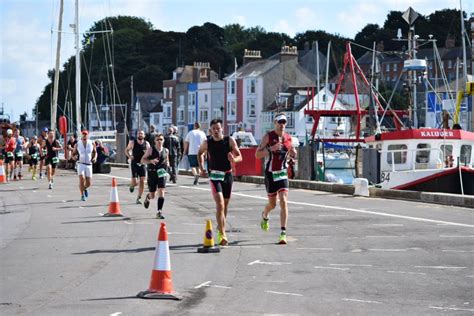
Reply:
x=114 y=206
x=3 y=178
x=208 y=245
x=161 y=284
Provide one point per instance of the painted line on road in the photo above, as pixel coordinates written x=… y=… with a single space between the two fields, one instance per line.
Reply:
x=388 y=250
x=116 y=314
x=453 y=308
x=268 y=263
x=456 y=236
x=404 y=272
x=459 y=251
x=283 y=293
x=331 y=268
x=144 y=223
x=440 y=267
x=469 y=276
x=350 y=265
x=419 y=219
x=208 y=284
x=202 y=284
x=360 y=301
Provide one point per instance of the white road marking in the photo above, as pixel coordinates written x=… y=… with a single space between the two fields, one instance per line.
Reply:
x=453 y=308
x=439 y=267
x=350 y=265
x=64 y=201
x=470 y=276
x=323 y=249
x=100 y=214
x=268 y=263
x=48 y=195
x=388 y=250
x=404 y=272
x=456 y=236
x=208 y=284
x=116 y=314
x=141 y=223
x=454 y=250
x=34 y=191
x=202 y=284
x=283 y=293
x=360 y=301
x=331 y=268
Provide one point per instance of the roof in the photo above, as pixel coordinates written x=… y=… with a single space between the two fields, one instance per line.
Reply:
x=150 y=102
x=254 y=68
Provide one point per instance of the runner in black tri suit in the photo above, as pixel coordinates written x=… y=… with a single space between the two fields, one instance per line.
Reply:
x=222 y=152
x=157 y=159
x=137 y=147
x=276 y=146
x=51 y=160
x=34 y=153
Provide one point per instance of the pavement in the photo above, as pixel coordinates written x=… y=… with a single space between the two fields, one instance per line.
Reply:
x=346 y=255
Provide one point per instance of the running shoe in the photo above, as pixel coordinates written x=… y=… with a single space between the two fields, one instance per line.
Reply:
x=50 y=186
x=159 y=215
x=146 y=203
x=196 y=179
x=282 y=239
x=222 y=239
x=20 y=176
x=14 y=178
x=41 y=176
x=265 y=223
x=131 y=188
x=86 y=194
x=83 y=198
x=33 y=178
x=138 y=201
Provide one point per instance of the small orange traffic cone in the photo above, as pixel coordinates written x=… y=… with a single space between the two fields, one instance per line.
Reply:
x=161 y=284
x=208 y=245
x=3 y=178
x=114 y=206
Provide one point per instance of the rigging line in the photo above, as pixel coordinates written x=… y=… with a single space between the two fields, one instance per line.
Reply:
x=91 y=88
x=390 y=100
x=364 y=47
x=437 y=97
x=445 y=80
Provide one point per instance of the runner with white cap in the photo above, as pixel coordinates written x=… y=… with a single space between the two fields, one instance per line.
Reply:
x=276 y=147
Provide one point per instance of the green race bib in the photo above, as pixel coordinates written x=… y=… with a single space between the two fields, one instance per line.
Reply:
x=19 y=154
x=161 y=173
x=45 y=151
x=280 y=175
x=55 y=159
x=34 y=156
x=9 y=154
x=217 y=175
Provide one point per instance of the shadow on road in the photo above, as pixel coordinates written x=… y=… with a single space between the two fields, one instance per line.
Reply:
x=91 y=252
x=109 y=298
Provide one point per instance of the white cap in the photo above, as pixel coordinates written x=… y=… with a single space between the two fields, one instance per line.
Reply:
x=280 y=117
x=9 y=131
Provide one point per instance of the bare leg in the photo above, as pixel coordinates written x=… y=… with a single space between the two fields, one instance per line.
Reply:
x=283 y=195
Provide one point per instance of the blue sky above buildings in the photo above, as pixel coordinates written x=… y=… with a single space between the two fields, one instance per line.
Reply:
x=28 y=47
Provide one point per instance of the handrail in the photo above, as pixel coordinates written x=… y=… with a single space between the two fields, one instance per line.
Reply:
x=392 y=152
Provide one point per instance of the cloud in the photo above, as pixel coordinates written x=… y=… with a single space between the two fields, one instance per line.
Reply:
x=283 y=26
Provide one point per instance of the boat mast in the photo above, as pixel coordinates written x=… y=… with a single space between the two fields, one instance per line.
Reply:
x=56 y=72
x=463 y=32
x=78 y=70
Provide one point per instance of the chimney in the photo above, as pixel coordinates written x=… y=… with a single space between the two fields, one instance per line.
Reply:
x=288 y=53
x=201 y=71
x=251 y=55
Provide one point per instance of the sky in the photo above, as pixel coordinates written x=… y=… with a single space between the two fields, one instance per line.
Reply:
x=27 y=45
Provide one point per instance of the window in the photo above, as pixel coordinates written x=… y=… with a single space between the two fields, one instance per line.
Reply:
x=181 y=101
x=181 y=115
x=446 y=151
x=309 y=119
x=423 y=156
x=395 y=67
x=205 y=97
x=165 y=92
x=387 y=67
x=203 y=116
x=167 y=111
x=231 y=87
x=465 y=156
x=251 y=84
x=216 y=113
x=231 y=109
x=450 y=64
x=232 y=128
x=191 y=99
x=291 y=120
x=251 y=108
x=170 y=95
x=191 y=116
x=398 y=152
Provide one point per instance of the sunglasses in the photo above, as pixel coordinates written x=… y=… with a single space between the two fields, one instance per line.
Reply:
x=281 y=122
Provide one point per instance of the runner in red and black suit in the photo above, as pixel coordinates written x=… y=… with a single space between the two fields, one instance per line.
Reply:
x=43 y=151
x=222 y=152
x=276 y=146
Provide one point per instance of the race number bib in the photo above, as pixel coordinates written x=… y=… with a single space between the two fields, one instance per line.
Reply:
x=161 y=173
x=217 y=175
x=34 y=156
x=45 y=152
x=19 y=154
x=280 y=175
x=55 y=160
x=9 y=154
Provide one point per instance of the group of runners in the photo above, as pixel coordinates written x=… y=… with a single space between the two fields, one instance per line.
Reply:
x=40 y=152
x=154 y=162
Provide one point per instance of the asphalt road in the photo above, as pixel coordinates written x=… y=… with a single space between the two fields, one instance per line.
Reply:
x=346 y=255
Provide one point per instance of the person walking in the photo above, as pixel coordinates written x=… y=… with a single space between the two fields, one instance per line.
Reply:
x=41 y=139
x=172 y=144
x=87 y=152
x=222 y=152
x=276 y=147
x=135 y=150
x=71 y=143
x=52 y=146
x=9 y=150
x=20 y=146
x=192 y=142
x=156 y=158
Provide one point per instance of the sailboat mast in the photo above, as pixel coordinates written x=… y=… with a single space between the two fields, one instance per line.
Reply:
x=78 y=71
x=463 y=32
x=56 y=72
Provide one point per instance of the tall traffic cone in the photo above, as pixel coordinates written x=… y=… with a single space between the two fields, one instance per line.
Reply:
x=208 y=245
x=3 y=178
x=114 y=206
x=161 y=284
